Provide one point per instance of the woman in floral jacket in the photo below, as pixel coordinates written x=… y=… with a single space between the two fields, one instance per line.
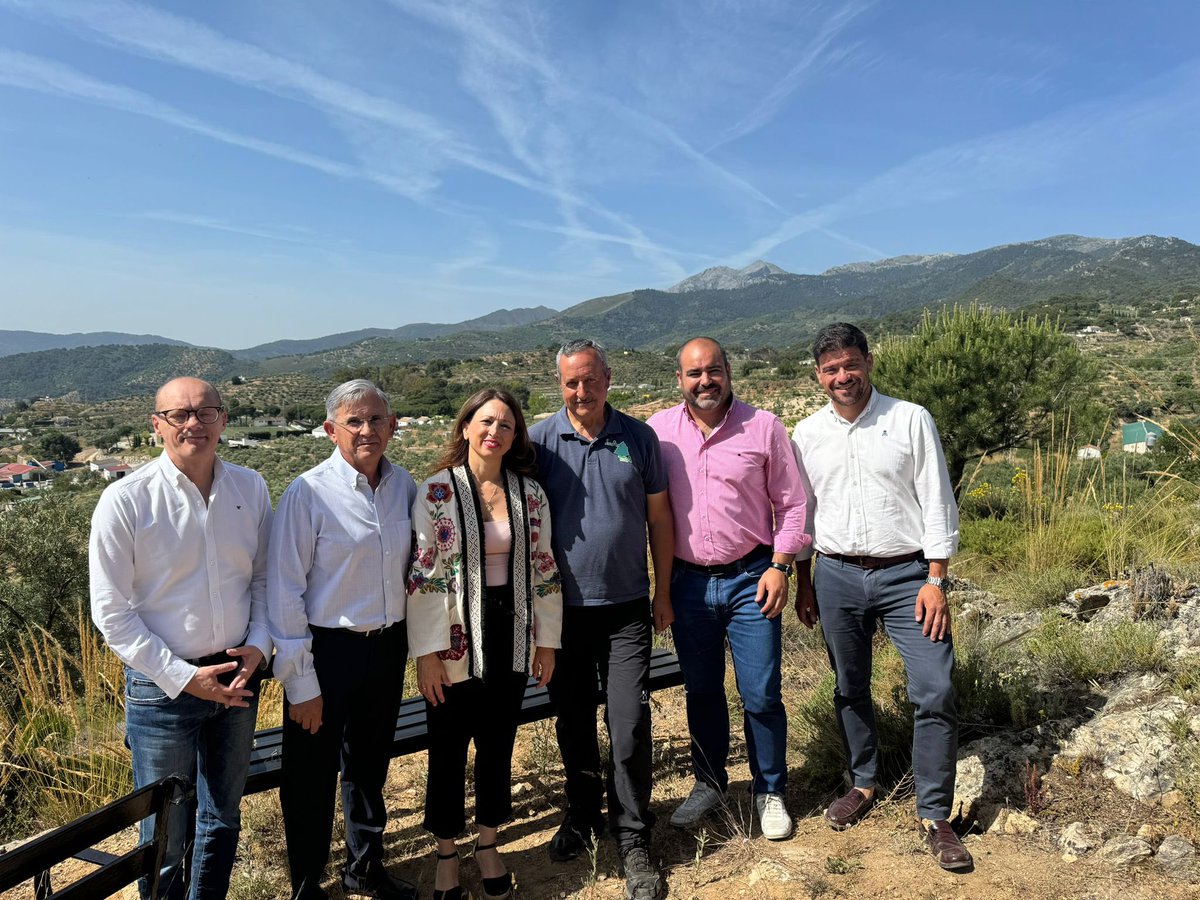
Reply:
x=484 y=613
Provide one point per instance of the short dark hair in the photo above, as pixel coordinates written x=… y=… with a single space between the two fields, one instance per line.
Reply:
x=838 y=336
x=520 y=457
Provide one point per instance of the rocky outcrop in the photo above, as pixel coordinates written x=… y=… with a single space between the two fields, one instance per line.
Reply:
x=1134 y=738
x=1130 y=730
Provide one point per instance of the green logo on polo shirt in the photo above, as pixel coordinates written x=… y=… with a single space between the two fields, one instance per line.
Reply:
x=621 y=451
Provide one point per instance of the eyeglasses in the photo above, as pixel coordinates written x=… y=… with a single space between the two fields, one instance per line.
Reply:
x=376 y=423
x=205 y=415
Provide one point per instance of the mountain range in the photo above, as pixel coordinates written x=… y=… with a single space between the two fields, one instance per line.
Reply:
x=755 y=306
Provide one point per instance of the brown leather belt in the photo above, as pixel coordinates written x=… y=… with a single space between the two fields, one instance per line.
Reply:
x=737 y=567
x=873 y=562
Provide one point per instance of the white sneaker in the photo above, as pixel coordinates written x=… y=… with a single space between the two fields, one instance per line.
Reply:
x=773 y=816
x=699 y=803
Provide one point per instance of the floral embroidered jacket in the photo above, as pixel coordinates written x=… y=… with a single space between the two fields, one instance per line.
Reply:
x=446 y=579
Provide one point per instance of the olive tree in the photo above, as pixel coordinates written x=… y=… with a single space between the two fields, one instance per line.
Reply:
x=44 y=567
x=992 y=380
x=56 y=445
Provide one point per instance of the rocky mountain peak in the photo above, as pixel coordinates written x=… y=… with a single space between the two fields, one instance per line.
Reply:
x=723 y=278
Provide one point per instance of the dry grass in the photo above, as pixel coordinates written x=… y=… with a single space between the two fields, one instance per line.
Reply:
x=1062 y=523
x=61 y=744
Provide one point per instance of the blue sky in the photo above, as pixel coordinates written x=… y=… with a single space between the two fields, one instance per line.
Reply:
x=232 y=172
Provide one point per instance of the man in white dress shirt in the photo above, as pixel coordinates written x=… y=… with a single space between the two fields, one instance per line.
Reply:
x=336 y=599
x=177 y=558
x=885 y=523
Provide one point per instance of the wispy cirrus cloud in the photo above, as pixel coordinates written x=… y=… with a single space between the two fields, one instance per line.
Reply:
x=166 y=37
x=194 y=220
x=34 y=73
x=818 y=53
x=378 y=127
x=1038 y=153
x=46 y=76
x=537 y=111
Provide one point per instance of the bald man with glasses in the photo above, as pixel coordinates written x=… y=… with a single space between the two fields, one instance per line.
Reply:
x=177 y=565
x=336 y=598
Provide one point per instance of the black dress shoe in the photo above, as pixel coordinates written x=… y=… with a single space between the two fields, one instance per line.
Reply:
x=574 y=836
x=379 y=884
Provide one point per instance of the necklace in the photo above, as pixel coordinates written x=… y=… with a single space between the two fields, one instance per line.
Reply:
x=497 y=495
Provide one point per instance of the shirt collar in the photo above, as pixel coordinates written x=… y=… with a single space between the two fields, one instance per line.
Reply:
x=862 y=416
x=174 y=474
x=733 y=413
x=351 y=475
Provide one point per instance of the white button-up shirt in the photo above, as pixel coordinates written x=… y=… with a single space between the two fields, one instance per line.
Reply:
x=174 y=578
x=879 y=484
x=338 y=559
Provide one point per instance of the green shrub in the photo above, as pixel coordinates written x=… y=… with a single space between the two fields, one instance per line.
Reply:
x=1067 y=652
x=992 y=692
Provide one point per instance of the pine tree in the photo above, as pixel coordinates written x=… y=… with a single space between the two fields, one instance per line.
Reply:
x=992 y=380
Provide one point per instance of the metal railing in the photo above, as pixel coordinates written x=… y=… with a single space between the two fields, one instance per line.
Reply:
x=32 y=861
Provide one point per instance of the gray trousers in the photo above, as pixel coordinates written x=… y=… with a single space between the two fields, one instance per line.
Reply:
x=851 y=601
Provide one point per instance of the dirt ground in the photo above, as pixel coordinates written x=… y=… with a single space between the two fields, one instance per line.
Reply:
x=881 y=857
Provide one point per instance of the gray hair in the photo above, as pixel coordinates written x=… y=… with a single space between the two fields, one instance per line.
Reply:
x=570 y=348
x=352 y=392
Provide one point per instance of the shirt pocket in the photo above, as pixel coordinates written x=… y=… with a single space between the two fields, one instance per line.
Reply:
x=895 y=456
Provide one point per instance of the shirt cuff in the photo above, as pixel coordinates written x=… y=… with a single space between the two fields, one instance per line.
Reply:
x=784 y=542
x=301 y=689
x=175 y=676
x=260 y=637
x=938 y=551
x=421 y=648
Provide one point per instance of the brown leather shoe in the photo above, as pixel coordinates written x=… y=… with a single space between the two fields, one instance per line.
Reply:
x=847 y=810
x=944 y=845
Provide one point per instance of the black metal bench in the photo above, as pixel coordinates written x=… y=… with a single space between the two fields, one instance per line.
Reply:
x=411 y=735
x=32 y=861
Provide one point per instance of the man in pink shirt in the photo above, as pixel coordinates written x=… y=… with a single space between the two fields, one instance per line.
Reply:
x=739 y=508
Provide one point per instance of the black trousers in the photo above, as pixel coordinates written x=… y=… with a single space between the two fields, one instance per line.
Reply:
x=362 y=683
x=484 y=710
x=606 y=647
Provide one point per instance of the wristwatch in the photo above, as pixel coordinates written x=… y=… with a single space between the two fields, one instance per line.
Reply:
x=937 y=582
x=782 y=567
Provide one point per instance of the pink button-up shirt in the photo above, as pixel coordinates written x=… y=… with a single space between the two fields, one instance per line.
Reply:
x=734 y=491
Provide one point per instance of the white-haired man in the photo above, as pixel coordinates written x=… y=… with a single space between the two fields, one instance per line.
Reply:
x=336 y=597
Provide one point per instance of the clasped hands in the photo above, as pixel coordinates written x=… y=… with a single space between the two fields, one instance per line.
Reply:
x=207 y=685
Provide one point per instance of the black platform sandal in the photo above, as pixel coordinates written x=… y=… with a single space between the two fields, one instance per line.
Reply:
x=454 y=893
x=500 y=887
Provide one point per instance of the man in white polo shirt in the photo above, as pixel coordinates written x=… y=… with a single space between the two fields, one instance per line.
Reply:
x=177 y=559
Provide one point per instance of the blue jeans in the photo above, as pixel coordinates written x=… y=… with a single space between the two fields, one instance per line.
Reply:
x=187 y=736
x=708 y=610
x=852 y=601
